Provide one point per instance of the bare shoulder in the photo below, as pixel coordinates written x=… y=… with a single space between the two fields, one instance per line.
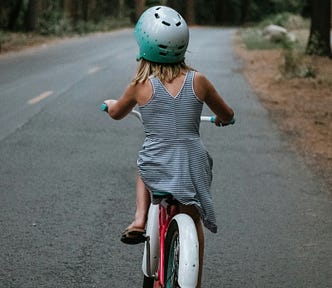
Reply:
x=143 y=92
x=202 y=86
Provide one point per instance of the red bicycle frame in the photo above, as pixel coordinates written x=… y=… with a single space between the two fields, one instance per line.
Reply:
x=165 y=216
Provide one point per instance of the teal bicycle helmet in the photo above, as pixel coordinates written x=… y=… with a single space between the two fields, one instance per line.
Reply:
x=162 y=35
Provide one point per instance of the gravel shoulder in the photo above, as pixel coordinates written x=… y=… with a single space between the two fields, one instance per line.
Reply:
x=301 y=107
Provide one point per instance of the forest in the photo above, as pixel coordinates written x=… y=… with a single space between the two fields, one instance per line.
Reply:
x=62 y=17
x=29 y=15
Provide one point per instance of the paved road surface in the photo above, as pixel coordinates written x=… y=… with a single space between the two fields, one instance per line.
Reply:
x=67 y=175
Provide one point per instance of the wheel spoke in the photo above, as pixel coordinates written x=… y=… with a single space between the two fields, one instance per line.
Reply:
x=173 y=263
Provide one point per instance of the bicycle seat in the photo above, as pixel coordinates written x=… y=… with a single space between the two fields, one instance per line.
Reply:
x=161 y=194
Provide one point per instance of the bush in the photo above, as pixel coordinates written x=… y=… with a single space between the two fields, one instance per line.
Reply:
x=294 y=62
x=4 y=37
x=286 y=20
x=107 y=24
x=253 y=39
x=54 y=23
x=296 y=65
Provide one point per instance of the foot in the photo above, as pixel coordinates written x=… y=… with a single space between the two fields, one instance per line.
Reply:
x=133 y=235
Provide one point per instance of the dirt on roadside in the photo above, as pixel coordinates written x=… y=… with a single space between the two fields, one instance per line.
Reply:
x=301 y=107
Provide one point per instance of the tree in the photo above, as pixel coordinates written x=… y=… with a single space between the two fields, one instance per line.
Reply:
x=190 y=12
x=33 y=13
x=14 y=14
x=221 y=11
x=121 y=8
x=68 y=8
x=139 y=7
x=245 y=8
x=319 y=39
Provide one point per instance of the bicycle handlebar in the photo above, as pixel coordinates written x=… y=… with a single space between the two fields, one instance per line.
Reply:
x=138 y=115
x=103 y=107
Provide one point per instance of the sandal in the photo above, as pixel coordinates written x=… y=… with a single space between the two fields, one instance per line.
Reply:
x=133 y=236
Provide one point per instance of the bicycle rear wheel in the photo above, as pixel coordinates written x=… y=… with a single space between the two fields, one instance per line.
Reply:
x=181 y=253
x=172 y=253
x=148 y=282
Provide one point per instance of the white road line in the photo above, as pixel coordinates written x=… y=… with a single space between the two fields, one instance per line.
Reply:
x=93 y=70
x=40 y=97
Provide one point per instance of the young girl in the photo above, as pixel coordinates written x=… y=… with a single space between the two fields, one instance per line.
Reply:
x=170 y=97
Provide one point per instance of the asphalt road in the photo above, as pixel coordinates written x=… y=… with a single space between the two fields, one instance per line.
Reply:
x=67 y=175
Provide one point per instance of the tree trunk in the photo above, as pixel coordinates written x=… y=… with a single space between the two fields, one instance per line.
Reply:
x=319 y=39
x=121 y=8
x=32 y=15
x=89 y=10
x=92 y=10
x=220 y=11
x=190 y=12
x=68 y=8
x=139 y=7
x=13 y=15
x=245 y=8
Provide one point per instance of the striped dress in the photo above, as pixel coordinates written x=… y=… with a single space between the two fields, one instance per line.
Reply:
x=173 y=158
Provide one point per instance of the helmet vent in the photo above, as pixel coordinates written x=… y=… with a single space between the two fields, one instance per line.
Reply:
x=163 y=53
x=178 y=24
x=166 y=23
x=156 y=15
x=181 y=47
x=162 y=46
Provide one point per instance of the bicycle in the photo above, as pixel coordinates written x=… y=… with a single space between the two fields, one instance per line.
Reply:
x=171 y=249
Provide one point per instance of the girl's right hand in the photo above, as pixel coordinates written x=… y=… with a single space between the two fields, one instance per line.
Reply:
x=218 y=122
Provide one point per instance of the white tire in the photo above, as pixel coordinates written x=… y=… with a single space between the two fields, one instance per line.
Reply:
x=152 y=247
x=181 y=253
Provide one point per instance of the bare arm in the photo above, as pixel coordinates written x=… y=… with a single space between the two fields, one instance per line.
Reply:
x=207 y=93
x=118 y=109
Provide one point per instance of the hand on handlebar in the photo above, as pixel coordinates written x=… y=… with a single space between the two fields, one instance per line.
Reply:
x=107 y=104
x=218 y=122
x=104 y=107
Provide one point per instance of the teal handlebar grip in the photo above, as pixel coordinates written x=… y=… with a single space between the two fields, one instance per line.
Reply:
x=104 y=107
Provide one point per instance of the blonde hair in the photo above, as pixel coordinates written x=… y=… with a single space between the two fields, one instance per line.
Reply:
x=165 y=72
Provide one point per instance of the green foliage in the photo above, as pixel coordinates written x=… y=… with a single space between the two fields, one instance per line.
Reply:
x=294 y=61
x=13 y=14
x=295 y=65
x=54 y=23
x=254 y=40
x=287 y=20
x=292 y=6
x=150 y=3
x=261 y=8
x=216 y=12
x=253 y=37
x=107 y=24
x=4 y=37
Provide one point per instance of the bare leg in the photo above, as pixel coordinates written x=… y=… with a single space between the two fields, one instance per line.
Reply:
x=142 y=205
x=200 y=234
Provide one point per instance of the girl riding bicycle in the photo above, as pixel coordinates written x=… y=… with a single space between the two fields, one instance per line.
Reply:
x=170 y=96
